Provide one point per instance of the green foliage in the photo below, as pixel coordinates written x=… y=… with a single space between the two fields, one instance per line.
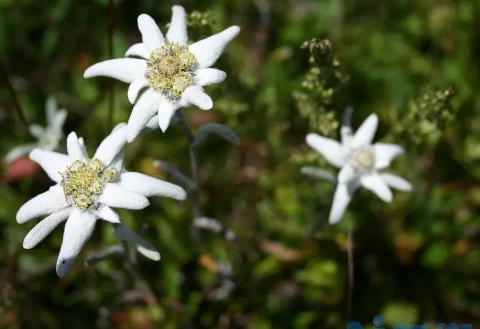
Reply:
x=416 y=259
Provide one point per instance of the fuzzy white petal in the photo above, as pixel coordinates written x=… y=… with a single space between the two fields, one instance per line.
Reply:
x=364 y=135
x=108 y=214
x=36 y=131
x=18 y=152
x=208 y=50
x=347 y=174
x=152 y=37
x=44 y=227
x=196 y=96
x=374 y=183
x=177 y=33
x=145 y=108
x=52 y=162
x=112 y=145
x=45 y=203
x=124 y=233
x=74 y=148
x=385 y=153
x=208 y=76
x=346 y=129
x=135 y=88
x=123 y=69
x=59 y=120
x=138 y=49
x=150 y=186
x=166 y=110
x=330 y=149
x=396 y=182
x=51 y=107
x=78 y=229
x=119 y=197
x=341 y=199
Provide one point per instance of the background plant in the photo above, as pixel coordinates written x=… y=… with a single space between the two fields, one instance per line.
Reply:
x=286 y=263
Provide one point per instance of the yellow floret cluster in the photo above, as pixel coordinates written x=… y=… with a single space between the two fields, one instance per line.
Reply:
x=84 y=180
x=170 y=69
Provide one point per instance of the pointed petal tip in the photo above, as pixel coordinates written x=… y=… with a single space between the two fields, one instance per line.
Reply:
x=177 y=7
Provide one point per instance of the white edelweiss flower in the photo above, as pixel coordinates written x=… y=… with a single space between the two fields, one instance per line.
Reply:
x=361 y=163
x=48 y=138
x=87 y=189
x=172 y=71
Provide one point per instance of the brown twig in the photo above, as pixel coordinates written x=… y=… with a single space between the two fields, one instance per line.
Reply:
x=13 y=94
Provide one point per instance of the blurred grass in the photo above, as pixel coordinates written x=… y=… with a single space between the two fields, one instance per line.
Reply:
x=416 y=259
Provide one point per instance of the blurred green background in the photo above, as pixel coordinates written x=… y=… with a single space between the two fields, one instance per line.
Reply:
x=416 y=260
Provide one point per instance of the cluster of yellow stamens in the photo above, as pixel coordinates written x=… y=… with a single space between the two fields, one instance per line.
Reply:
x=364 y=158
x=170 y=69
x=84 y=180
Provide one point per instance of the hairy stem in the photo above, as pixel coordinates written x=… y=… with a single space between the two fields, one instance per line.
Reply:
x=130 y=265
x=351 y=269
x=193 y=166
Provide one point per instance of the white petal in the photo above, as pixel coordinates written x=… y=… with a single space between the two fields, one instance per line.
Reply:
x=150 y=186
x=138 y=49
x=119 y=197
x=319 y=173
x=108 y=214
x=374 y=183
x=341 y=199
x=346 y=129
x=330 y=149
x=385 y=153
x=52 y=162
x=44 y=227
x=153 y=123
x=145 y=108
x=123 y=69
x=78 y=229
x=208 y=50
x=51 y=107
x=135 y=87
x=117 y=162
x=396 y=182
x=364 y=135
x=58 y=121
x=347 y=174
x=152 y=37
x=208 y=76
x=112 y=145
x=18 y=152
x=177 y=33
x=166 y=109
x=75 y=149
x=36 y=131
x=45 y=203
x=124 y=233
x=196 y=96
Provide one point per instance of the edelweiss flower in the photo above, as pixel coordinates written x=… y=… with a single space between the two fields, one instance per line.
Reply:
x=361 y=163
x=172 y=71
x=87 y=189
x=47 y=137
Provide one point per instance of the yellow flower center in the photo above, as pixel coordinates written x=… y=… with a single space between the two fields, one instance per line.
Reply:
x=170 y=69
x=364 y=158
x=84 y=180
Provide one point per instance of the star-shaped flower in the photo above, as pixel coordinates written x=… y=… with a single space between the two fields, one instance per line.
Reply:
x=48 y=138
x=87 y=189
x=361 y=162
x=172 y=71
